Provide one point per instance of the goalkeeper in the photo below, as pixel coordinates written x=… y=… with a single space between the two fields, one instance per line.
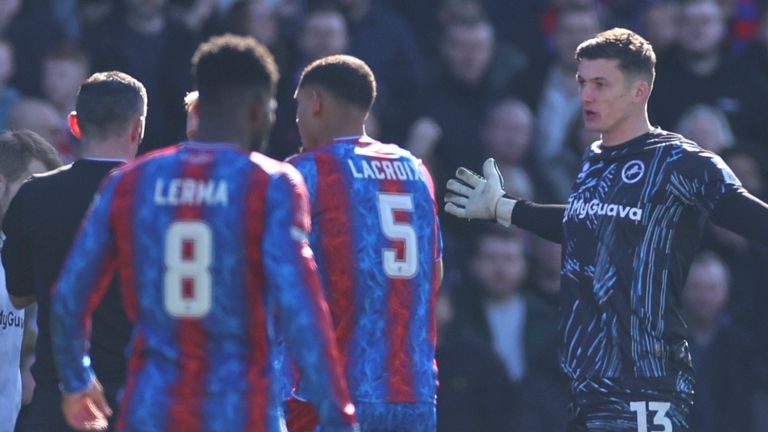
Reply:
x=628 y=233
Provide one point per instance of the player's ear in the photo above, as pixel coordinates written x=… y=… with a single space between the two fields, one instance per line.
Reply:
x=642 y=90
x=137 y=130
x=317 y=102
x=74 y=124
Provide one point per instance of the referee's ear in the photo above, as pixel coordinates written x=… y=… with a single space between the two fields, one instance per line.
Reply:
x=74 y=124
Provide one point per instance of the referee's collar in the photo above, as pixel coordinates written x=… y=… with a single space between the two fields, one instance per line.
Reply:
x=96 y=159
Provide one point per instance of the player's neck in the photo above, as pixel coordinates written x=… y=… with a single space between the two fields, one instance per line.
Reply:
x=107 y=149
x=625 y=131
x=219 y=131
x=342 y=131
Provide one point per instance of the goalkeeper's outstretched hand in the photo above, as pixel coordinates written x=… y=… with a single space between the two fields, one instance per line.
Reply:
x=472 y=196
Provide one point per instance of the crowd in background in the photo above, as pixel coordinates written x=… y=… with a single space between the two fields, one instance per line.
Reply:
x=461 y=80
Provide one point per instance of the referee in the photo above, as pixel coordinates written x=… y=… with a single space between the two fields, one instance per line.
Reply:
x=42 y=221
x=628 y=233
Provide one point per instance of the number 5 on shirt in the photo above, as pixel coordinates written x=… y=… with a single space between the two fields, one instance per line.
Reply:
x=395 y=268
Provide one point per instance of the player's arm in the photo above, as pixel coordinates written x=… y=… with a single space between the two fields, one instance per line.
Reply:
x=743 y=214
x=303 y=313
x=81 y=285
x=17 y=259
x=472 y=196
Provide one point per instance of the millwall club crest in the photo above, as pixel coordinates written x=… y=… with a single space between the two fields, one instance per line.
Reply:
x=632 y=172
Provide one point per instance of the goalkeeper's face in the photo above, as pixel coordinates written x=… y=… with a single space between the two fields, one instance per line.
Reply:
x=610 y=99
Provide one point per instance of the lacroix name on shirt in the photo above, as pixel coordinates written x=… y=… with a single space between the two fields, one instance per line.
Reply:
x=383 y=170
x=187 y=191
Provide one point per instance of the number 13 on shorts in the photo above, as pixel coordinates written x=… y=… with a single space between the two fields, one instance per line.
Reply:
x=659 y=419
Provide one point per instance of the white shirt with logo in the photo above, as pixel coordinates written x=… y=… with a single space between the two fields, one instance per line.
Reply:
x=11 y=333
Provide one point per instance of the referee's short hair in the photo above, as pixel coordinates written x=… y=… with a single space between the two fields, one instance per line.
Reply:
x=634 y=53
x=107 y=102
x=19 y=147
x=230 y=63
x=346 y=77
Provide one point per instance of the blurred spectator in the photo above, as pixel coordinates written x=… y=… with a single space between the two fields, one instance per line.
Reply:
x=742 y=19
x=41 y=117
x=93 y=11
x=429 y=17
x=659 y=25
x=474 y=72
x=324 y=33
x=386 y=43
x=546 y=406
x=546 y=257
x=199 y=16
x=255 y=18
x=498 y=308
x=551 y=90
x=520 y=324
x=699 y=70
x=522 y=23
x=708 y=127
x=720 y=351
x=67 y=15
x=474 y=393
x=558 y=173
x=31 y=29
x=756 y=54
x=258 y=18
x=506 y=133
x=65 y=67
x=142 y=41
x=9 y=96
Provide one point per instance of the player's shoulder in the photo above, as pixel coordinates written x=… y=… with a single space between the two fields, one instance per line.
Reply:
x=391 y=149
x=44 y=180
x=302 y=161
x=275 y=168
x=686 y=157
x=147 y=158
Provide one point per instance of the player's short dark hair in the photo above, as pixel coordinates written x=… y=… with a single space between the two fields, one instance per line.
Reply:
x=108 y=101
x=634 y=53
x=18 y=148
x=230 y=62
x=347 y=78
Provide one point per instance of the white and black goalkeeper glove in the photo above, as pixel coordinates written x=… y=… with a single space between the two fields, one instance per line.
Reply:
x=471 y=196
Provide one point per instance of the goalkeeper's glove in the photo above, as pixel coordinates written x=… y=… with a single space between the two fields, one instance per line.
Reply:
x=471 y=196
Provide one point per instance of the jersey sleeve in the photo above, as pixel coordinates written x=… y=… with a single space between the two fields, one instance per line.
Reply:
x=710 y=180
x=294 y=284
x=82 y=283
x=16 y=255
x=743 y=214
